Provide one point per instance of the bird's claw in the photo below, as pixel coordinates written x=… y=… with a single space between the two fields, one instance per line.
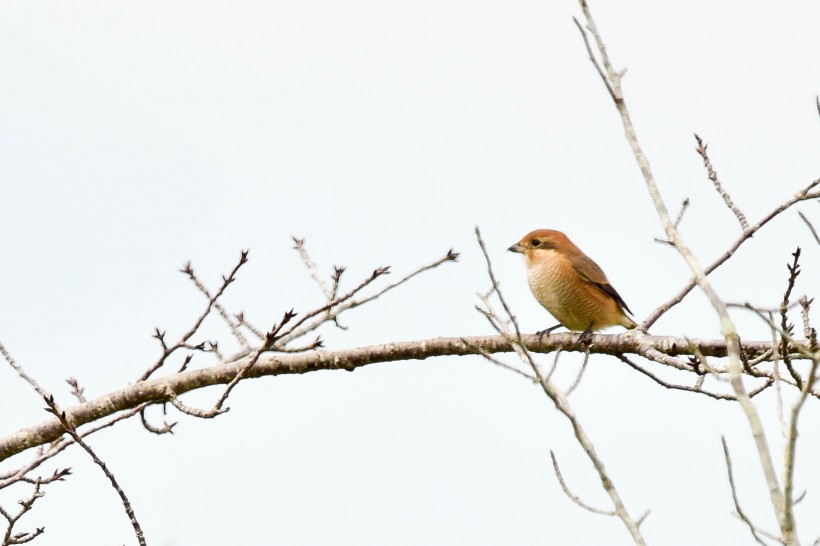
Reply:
x=546 y=332
x=586 y=337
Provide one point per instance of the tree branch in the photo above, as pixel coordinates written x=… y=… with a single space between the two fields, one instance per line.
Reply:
x=350 y=359
x=727 y=326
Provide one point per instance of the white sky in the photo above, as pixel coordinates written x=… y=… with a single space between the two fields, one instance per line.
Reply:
x=137 y=136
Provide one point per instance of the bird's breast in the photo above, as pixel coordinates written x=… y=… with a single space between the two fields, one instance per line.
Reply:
x=549 y=278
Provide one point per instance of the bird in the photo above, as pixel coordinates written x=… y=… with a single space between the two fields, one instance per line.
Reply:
x=570 y=285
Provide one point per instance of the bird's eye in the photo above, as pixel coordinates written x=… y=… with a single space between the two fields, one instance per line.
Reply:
x=536 y=242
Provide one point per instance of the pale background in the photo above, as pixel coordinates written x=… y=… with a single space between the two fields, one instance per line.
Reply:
x=136 y=136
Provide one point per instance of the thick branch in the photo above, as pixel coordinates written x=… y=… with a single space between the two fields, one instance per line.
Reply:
x=349 y=359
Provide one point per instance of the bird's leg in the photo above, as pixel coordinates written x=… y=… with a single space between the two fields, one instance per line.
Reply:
x=546 y=331
x=586 y=336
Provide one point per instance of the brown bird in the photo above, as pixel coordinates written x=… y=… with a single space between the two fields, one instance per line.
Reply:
x=569 y=284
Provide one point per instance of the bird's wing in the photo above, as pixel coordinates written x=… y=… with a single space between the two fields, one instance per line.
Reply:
x=590 y=272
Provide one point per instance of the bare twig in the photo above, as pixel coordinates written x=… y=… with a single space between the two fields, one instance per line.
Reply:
x=778 y=378
x=710 y=171
x=696 y=389
x=57 y=476
x=19 y=369
x=166 y=428
x=791 y=444
x=188 y=270
x=810 y=226
x=76 y=390
x=801 y=195
x=577 y=381
x=294 y=331
x=195 y=412
x=554 y=366
x=683 y=208
x=595 y=60
x=239 y=336
x=575 y=498
x=335 y=279
x=738 y=510
x=500 y=363
x=299 y=246
x=785 y=326
x=313 y=345
x=334 y=308
x=809 y=332
x=240 y=318
x=801 y=349
x=643 y=518
x=72 y=431
x=12 y=519
x=761 y=308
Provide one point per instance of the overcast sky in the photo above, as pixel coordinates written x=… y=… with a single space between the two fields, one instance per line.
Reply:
x=137 y=136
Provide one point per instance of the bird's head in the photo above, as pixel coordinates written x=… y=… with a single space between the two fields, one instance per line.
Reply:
x=541 y=243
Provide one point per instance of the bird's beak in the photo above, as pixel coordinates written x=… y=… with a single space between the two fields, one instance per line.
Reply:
x=516 y=248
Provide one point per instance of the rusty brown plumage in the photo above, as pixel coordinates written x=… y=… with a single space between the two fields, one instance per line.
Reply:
x=569 y=284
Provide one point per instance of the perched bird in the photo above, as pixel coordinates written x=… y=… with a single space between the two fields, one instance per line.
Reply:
x=569 y=284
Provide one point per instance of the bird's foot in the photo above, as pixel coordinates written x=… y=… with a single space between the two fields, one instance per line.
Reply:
x=546 y=332
x=586 y=336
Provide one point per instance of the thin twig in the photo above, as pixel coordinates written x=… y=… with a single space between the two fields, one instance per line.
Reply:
x=335 y=279
x=240 y=338
x=666 y=384
x=240 y=318
x=810 y=225
x=188 y=270
x=594 y=60
x=802 y=349
x=738 y=510
x=76 y=390
x=785 y=326
x=802 y=195
x=809 y=332
x=501 y=364
x=25 y=506
x=299 y=246
x=344 y=303
x=578 y=377
x=166 y=428
x=573 y=497
x=761 y=308
x=72 y=431
x=683 y=208
x=778 y=378
x=195 y=412
x=291 y=332
x=710 y=171
x=19 y=369
x=554 y=366
x=270 y=340
x=791 y=444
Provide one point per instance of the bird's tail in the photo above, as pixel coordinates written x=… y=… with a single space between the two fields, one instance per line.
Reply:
x=627 y=322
